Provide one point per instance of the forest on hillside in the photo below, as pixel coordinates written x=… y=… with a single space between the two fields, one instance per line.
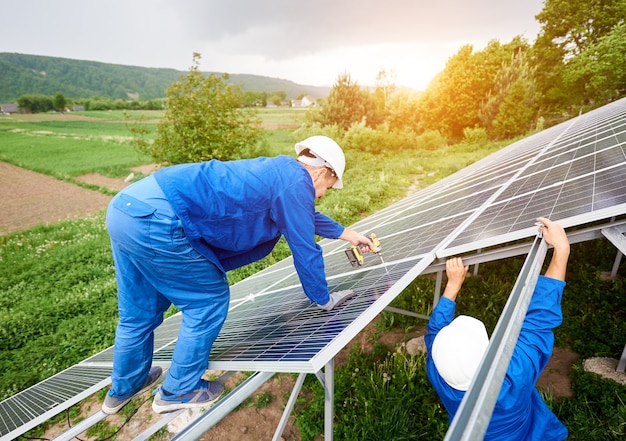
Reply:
x=78 y=79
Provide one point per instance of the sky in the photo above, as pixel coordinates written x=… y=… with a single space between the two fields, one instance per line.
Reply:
x=308 y=42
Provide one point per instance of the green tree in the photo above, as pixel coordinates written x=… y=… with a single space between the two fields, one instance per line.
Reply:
x=510 y=107
x=59 y=102
x=346 y=104
x=254 y=98
x=403 y=110
x=277 y=97
x=452 y=101
x=35 y=103
x=598 y=74
x=567 y=29
x=203 y=120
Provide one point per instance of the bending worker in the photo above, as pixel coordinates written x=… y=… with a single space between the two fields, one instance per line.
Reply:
x=456 y=346
x=176 y=233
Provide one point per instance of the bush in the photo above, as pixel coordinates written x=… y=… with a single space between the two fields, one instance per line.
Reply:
x=431 y=140
x=203 y=120
x=477 y=135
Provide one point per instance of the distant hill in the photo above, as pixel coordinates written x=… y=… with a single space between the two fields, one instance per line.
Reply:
x=22 y=74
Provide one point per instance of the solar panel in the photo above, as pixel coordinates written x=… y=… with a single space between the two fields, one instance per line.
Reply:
x=573 y=173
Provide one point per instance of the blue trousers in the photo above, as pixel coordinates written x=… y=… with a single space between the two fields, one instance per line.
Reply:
x=155 y=266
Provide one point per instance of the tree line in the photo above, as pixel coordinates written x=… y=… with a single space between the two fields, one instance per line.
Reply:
x=577 y=63
x=37 y=103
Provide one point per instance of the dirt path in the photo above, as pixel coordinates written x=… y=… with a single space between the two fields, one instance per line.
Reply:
x=29 y=199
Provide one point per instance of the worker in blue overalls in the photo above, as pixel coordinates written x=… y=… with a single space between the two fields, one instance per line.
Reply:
x=175 y=234
x=456 y=347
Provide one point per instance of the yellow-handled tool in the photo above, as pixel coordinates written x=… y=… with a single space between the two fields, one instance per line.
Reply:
x=355 y=254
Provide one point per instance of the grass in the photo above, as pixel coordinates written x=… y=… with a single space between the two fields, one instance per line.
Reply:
x=58 y=297
x=70 y=150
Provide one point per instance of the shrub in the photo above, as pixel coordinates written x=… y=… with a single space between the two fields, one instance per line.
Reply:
x=431 y=140
x=477 y=135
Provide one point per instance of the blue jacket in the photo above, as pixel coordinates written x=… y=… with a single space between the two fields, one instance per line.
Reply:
x=234 y=213
x=519 y=414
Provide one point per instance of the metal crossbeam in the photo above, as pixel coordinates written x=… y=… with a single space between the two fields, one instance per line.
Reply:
x=223 y=407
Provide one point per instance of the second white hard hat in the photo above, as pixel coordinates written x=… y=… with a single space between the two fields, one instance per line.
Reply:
x=458 y=349
x=327 y=149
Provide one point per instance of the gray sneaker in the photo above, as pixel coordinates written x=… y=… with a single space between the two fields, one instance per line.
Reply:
x=204 y=396
x=112 y=404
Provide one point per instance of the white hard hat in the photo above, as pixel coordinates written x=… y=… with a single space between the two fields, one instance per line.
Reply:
x=458 y=349
x=329 y=151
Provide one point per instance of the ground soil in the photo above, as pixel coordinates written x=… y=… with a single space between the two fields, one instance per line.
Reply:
x=29 y=199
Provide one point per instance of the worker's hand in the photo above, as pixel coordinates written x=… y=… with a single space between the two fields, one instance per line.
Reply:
x=337 y=298
x=554 y=235
x=362 y=241
x=456 y=272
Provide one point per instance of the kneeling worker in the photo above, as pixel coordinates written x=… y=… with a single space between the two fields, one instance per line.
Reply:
x=456 y=347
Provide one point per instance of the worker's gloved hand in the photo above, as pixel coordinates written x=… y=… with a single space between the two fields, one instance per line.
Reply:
x=337 y=298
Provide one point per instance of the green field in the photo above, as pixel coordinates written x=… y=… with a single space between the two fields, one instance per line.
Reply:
x=58 y=294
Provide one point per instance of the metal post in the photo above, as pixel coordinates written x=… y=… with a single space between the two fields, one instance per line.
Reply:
x=329 y=400
x=289 y=407
x=438 y=283
x=616 y=263
x=478 y=251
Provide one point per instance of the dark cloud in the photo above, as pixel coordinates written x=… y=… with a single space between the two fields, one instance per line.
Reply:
x=280 y=29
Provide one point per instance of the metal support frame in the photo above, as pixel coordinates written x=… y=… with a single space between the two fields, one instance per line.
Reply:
x=615 y=235
x=289 y=407
x=82 y=426
x=472 y=418
x=405 y=312
x=329 y=401
x=223 y=407
x=243 y=391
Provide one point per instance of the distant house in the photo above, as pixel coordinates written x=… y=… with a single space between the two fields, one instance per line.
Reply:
x=306 y=101
x=281 y=104
x=7 y=109
x=78 y=108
